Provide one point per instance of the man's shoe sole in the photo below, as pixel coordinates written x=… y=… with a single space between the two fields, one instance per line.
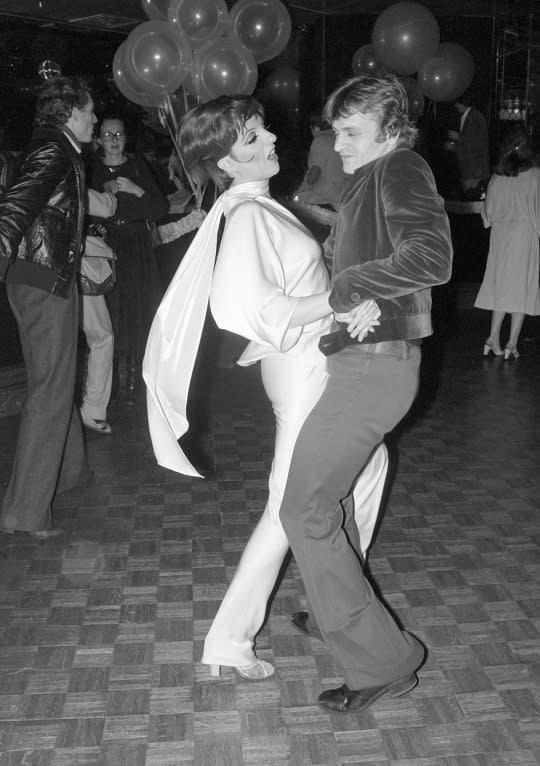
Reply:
x=394 y=689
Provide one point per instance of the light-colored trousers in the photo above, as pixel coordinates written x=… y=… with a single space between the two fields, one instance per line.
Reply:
x=97 y=327
x=293 y=385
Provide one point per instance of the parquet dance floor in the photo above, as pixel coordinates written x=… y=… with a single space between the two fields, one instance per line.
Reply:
x=101 y=631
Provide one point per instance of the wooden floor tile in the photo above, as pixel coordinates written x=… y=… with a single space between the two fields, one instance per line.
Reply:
x=101 y=631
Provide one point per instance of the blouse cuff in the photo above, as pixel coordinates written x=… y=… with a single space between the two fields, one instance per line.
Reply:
x=276 y=316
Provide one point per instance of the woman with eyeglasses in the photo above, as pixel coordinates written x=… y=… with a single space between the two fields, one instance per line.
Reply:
x=137 y=292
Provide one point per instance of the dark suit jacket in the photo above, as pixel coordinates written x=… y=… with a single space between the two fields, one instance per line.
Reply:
x=472 y=148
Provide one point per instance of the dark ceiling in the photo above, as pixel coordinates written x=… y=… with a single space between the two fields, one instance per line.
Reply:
x=120 y=16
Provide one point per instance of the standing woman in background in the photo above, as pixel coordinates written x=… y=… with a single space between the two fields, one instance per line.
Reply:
x=512 y=209
x=136 y=295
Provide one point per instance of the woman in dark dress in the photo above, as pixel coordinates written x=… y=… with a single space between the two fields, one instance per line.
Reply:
x=136 y=295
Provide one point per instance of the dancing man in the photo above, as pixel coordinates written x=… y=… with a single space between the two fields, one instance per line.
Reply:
x=391 y=244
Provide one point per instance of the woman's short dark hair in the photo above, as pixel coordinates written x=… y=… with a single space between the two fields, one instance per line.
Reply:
x=381 y=95
x=110 y=116
x=516 y=153
x=208 y=132
x=57 y=99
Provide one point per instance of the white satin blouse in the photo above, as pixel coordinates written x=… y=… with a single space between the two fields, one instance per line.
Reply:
x=267 y=260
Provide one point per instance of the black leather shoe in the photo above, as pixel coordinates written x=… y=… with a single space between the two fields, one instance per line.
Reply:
x=345 y=700
x=307 y=626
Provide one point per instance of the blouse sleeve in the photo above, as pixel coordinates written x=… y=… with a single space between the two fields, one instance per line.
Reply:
x=249 y=292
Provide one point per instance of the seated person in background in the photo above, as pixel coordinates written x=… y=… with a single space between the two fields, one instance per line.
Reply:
x=324 y=179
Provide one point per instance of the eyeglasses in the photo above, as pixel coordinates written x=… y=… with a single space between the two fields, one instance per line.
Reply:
x=108 y=136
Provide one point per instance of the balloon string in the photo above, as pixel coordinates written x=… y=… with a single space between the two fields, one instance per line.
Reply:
x=167 y=110
x=171 y=112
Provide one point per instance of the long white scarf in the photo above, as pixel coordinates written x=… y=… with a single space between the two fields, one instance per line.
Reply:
x=176 y=331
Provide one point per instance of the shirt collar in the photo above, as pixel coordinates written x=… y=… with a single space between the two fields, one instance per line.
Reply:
x=464 y=117
x=72 y=139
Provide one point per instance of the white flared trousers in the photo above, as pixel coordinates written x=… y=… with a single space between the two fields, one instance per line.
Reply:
x=293 y=385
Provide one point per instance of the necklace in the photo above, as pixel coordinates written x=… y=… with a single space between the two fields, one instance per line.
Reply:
x=115 y=168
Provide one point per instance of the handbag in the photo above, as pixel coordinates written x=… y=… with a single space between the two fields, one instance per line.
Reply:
x=97 y=270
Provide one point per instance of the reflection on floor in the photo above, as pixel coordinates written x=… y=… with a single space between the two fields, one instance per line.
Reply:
x=101 y=631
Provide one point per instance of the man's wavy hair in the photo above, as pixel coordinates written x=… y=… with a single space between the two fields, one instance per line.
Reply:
x=516 y=153
x=380 y=95
x=57 y=99
x=208 y=132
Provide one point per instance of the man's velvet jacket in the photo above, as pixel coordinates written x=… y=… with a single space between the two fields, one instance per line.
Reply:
x=391 y=243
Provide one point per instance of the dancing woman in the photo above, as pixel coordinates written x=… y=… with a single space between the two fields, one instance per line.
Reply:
x=269 y=285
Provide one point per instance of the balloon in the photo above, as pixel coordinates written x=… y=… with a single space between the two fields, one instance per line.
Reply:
x=49 y=69
x=404 y=36
x=200 y=20
x=414 y=96
x=264 y=26
x=364 y=60
x=139 y=94
x=156 y=9
x=283 y=85
x=159 y=55
x=447 y=74
x=223 y=66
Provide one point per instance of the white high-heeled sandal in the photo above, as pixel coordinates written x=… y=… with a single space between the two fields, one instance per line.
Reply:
x=257 y=671
x=490 y=347
x=510 y=351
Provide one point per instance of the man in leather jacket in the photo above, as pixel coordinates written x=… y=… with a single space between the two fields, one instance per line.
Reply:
x=41 y=227
x=390 y=244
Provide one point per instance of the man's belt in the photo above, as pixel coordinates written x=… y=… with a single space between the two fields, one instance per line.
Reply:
x=336 y=341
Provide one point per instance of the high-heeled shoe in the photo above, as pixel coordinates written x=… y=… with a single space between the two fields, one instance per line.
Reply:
x=490 y=346
x=257 y=671
x=510 y=350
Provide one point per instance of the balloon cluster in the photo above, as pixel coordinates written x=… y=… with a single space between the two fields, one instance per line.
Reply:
x=201 y=46
x=406 y=41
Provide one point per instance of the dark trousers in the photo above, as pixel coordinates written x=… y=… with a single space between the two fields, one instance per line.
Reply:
x=50 y=456
x=366 y=396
